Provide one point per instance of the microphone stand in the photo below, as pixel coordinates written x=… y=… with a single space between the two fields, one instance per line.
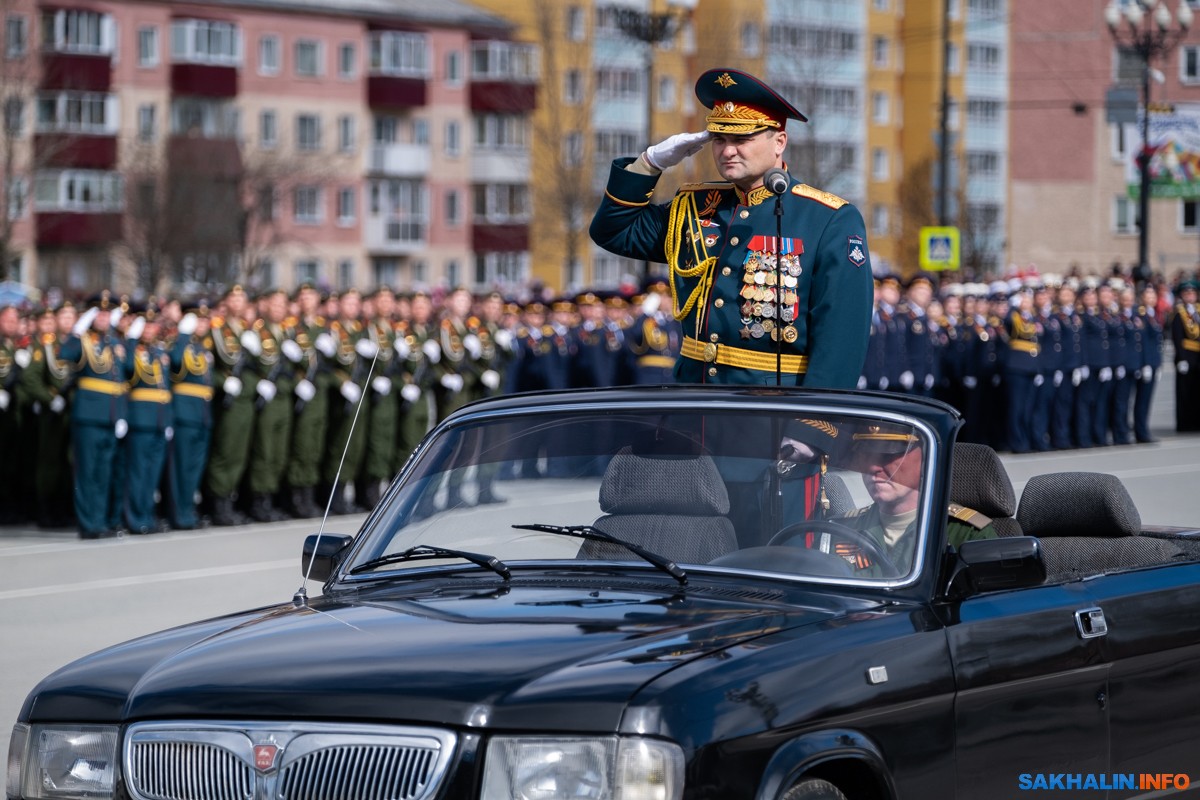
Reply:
x=779 y=289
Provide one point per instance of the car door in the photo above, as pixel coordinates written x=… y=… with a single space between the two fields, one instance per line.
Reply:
x=1152 y=643
x=1031 y=690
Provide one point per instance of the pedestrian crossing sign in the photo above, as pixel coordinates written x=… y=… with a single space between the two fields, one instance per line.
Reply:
x=939 y=248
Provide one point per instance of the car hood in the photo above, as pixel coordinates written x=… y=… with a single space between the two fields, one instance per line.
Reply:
x=508 y=656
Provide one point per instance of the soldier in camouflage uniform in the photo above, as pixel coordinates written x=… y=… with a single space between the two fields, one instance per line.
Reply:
x=273 y=360
x=234 y=425
x=351 y=365
x=311 y=408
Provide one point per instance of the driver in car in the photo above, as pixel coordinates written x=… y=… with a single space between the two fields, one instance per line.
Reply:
x=890 y=460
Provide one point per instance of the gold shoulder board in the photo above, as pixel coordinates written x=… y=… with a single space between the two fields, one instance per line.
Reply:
x=821 y=196
x=970 y=516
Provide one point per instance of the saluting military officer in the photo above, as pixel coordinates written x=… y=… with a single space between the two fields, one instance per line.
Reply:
x=749 y=302
x=233 y=429
x=1147 y=379
x=417 y=345
x=47 y=381
x=380 y=457
x=311 y=407
x=1185 y=335
x=655 y=338
x=151 y=421
x=101 y=364
x=12 y=360
x=273 y=355
x=352 y=362
x=192 y=398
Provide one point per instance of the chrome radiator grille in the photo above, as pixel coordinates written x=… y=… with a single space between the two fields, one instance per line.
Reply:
x=285 y=761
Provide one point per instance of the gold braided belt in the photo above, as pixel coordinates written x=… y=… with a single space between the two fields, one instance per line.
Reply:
x=102 y=386
x=193 y=390
x=740 y=357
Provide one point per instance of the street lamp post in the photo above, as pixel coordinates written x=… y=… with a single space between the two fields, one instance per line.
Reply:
x=1148 y=32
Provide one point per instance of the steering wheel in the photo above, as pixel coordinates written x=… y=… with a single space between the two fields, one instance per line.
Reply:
x=857 y=537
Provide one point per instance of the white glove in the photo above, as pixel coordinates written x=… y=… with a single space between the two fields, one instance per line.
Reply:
x=350 y=391
x=411 y=392
x=996 y=379
x=37 y=408
x=1085 y=373
x=135 y=329
x=1105 y=374
x=452 y=381
x=5 y=399
x=325 y=345
x=504 y=339
x=490 y=378
x=401 y=346
x=928 y=382
x=1182 y=367
x=474 y=347
x=1076 y=376
x=22 y=358
x=121 y=428
x=366 y=348
x=381 y=385
x=114 y=317
x=862 y=382
x=674 y=149
x=187 y=325
x=1120 y=373
x=232 y=386
x=266 y=390
x=801 y=453
x=432 y=351
x=168 y=433
x=970 y=381
x=291 y=351
x=1038 y=380
x=305 y=390
x=883 y=384
x=58 y=404
x=906 y=380
x=251 y=343
x=651 y=304
x=1147 y=373
x=1058 y=378
x=85 y=321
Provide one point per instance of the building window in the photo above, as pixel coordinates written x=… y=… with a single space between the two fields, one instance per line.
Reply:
x=146 y=123
x=881 y=108
x=983 y=164
x=346 y=133
x=502 y=203
x=880 y=220
x=453 y=138
x=983 y=112
x=984 y=58
x=14 y=116
x=953 y=116
x=881 y=5
x=503 y=61
x=453 y=273
x=572 y=149
x=16 y=35
x=268 y=130
x=1119 y=141
x=347 y=210
x=502 y=131
x=18 y=197
x=1189 y=64
x=1124 y=214
x=200 y=41
x=575 y=24
x=307 y=270
x=307 y=205
x=208 y=118
x=453 y=210
x=666 y=94
x=572 y=87
x=501 y=269
x=751 y=39
x=347 y=61
x=85 y=32
x=399 y=54
x=881 y=51
x=1187 y=216
x=454 y=68
x=880 y=167
x=308 y=58
x=308 y=132
x=420 y=271
x=345 y=274
x=268 y=55
x=85 y=191
x=266 y=205
x=147 y=47
x=77 y=112
x=619 y=83
x=953 y=58
x=420 y=132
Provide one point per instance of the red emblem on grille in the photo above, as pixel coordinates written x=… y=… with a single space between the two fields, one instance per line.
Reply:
x=264 y=757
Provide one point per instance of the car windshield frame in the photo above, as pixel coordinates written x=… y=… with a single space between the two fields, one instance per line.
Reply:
x=380 y=525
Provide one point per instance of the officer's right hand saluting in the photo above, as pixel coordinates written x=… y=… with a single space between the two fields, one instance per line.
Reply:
x=674 y=149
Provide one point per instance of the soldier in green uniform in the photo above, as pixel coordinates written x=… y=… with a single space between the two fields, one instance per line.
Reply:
x=151 y=421
x=47 y=381
x=11 y=358
x=417 y=345
x=350 y=366
x=273 y=358
x=233 y=425
x=458 y=370
x=101 y=365
x=192 y=398
x=380 y=457
x=312 y=405
x=749 y=301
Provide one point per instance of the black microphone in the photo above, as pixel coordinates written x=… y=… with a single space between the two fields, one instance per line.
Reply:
x=776 y=180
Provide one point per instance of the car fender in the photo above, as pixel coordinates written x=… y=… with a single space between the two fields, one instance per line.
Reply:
x=801 y=755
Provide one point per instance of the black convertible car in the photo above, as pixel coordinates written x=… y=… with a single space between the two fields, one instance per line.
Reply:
x=672 y=593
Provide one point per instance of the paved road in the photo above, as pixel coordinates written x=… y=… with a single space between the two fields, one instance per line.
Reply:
x=62 y=598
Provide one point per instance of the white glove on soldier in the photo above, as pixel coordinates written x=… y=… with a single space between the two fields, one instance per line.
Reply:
x=432 y=351
x=490 y=378
x=325 y=345
x=305 y=390
x=1085 y=372
x=187 y=325
x=1105 y=374
x=135 y=329
x=928 y=382
x=121 y=428
x=58 y=404
x=85 y=321
x=970 y=381
x=251 y=343
x=350 y=391
x=411 y=392
x=1182 y=368
x=381 y=385
x=1147 y=373
x=1120 y=373
x=675 y=149
x=366 y=348
x=291 y=351
x=115 y=316
x=266 y=390
x=1058 y=378
x=168 y=433
x=5 y=399
x=1038 y=380
x=452 y=382
x=862 y=382
x=471 y=342
x=401 y=346
x=232 y=386
x=906 y=379
x=651 y=303
x=1076 y=376
x=504 y=339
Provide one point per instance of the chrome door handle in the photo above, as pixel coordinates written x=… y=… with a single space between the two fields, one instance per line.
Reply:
x=1090 y=623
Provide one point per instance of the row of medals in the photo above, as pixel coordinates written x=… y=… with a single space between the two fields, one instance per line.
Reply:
x=761 y=295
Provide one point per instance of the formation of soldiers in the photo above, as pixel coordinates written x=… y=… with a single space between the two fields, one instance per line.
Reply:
x=144 y=418
x=175 y=416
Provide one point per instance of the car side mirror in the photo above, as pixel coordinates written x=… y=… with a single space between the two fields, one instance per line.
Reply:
x=992 y=565
x=323 y=552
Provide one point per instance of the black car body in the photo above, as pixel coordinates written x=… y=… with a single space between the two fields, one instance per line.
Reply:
x=453 y=655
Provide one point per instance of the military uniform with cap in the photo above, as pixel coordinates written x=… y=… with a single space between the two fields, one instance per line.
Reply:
x=273 y=358
x=47 y=381
x=151 y=422
x=1147 y=380
x=653 y=340
x=12 y=356
x=309 y=427
x=233 y=429
x=747 y=301
x=191 y=365
x=1185 y=335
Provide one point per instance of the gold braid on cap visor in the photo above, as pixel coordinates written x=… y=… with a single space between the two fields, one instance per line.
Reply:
x=729 y=117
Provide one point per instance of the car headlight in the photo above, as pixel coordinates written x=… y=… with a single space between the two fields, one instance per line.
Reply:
x=610 y=768
x=56 y=762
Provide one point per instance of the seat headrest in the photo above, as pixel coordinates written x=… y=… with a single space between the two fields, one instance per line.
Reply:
x=978 y=480
x=1077 y=504
x=663 y=485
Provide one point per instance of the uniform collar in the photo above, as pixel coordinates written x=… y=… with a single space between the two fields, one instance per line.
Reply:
x=755 y=196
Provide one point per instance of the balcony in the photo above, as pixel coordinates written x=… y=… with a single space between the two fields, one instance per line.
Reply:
x=77 y=229
x=500 y=166
x=204 y=80
x=389 y=236
x=395 y=93
x=399 y=160
x=73 y=150
x=506 y=98
x=507 y=238
x=78 y=72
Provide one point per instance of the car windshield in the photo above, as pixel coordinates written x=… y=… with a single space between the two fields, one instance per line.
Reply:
x=805 y=494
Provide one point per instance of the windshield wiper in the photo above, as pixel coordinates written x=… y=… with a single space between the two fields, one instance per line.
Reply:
x=422 y=552
x=596 y=535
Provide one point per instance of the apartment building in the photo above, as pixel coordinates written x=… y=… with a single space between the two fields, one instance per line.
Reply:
x=192 y=145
